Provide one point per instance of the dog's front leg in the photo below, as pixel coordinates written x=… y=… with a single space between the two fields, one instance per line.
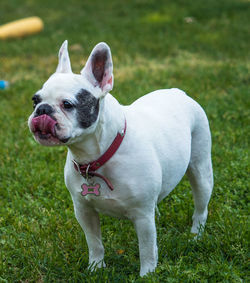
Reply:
x=90 y=223
x=146 y=233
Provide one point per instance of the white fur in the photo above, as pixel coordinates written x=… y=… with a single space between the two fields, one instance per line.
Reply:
x=64 y=65
x=167 y=136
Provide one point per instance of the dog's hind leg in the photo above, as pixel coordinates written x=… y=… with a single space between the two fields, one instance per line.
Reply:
x=200 y=173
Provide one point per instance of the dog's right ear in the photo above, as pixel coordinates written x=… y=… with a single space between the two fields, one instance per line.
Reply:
x=99 y=68
x=64 y=65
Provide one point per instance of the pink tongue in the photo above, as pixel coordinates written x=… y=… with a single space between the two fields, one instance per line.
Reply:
x=44 y=124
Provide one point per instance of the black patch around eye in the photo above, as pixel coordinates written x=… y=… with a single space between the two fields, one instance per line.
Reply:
x=87 y=108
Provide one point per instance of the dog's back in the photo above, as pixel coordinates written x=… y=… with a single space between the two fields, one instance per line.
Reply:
x=165 y=122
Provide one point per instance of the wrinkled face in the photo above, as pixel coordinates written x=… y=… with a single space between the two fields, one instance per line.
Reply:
x=67 y=106
x=64 y=109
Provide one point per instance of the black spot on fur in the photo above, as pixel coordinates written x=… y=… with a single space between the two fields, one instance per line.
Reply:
x=87 y=108
x=98 y=64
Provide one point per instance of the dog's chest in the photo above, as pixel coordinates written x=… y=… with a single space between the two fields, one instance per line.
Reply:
x=108 y=206
x=97 y=195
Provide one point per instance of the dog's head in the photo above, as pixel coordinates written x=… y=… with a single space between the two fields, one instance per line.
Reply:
x=67 y=106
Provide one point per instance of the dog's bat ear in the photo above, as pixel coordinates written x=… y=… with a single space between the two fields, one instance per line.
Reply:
x=64 y=65
x=99 y=68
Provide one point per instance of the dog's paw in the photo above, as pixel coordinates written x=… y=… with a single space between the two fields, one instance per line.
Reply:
x=147 y=269
x=93 y=266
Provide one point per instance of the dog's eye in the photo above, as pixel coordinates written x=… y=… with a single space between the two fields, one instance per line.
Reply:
x=36 y=100
x=67 y=105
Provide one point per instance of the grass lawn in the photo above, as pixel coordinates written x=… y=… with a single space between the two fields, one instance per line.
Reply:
x=199 y=46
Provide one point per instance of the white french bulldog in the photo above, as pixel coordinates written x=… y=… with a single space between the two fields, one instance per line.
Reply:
x=122 y=160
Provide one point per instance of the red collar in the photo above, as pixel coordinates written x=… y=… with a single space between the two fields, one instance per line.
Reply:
x=88 y=170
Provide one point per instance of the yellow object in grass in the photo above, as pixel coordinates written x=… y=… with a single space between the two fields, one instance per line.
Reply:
x=21 y=28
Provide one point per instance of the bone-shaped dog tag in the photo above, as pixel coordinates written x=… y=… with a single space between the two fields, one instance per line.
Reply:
x=93 y=189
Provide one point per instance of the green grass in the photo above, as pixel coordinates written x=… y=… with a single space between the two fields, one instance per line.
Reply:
x=154 y=45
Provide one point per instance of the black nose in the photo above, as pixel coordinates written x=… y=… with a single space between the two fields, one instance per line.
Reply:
x=44 y=109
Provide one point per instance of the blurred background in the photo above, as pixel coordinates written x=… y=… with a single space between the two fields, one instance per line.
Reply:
x=162 y=34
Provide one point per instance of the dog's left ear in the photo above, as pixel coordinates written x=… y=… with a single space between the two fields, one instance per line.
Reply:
x=99 y=68
x=64 y=65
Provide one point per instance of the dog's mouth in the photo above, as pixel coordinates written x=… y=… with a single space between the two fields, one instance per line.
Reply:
x=44 y=136
x=44 y=129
